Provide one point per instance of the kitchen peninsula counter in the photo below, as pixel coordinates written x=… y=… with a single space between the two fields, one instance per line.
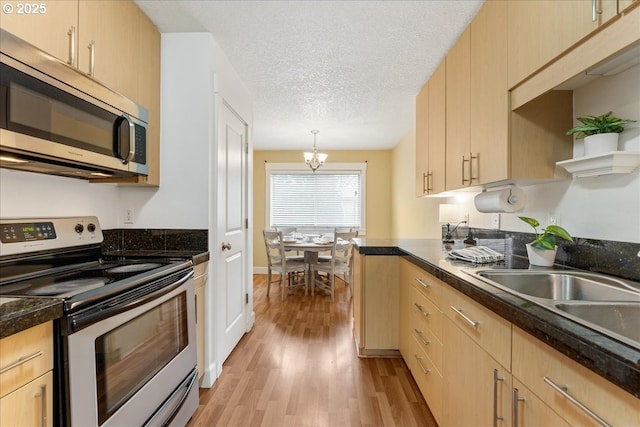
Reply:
x=20 y=313
x=613 y=360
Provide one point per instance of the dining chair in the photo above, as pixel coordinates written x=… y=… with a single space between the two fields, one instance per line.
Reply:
x=339 y=263
x=345 y=235
x=288 y=231
x=278 y=262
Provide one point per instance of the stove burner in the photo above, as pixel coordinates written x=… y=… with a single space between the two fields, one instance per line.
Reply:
x=131 y=268
x=69 y=287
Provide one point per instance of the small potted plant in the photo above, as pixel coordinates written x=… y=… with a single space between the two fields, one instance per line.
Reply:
x=542 y=251
x=600 y=133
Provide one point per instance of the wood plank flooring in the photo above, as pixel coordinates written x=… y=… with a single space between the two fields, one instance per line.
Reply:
x=298 y=367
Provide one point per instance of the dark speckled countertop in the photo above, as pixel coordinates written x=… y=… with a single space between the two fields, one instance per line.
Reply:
x=615 y=361
x=18 y=314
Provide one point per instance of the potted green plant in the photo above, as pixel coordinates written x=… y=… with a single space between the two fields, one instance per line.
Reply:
x=542 y=251
x=600 y=133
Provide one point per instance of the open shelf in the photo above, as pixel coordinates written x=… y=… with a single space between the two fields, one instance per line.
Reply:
x=603 y=164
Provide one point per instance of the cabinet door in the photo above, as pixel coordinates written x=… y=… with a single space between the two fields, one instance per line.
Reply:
x=111 y=26
x=477 y=389
x=422 y=141
x=541 y=30
x=457 y=113
x=49 y=29
x=530 y=411
x=437 y=129
x=148 y=82
x=623 y=5
x=489 y=110
x=406 y=289
x=30 y=405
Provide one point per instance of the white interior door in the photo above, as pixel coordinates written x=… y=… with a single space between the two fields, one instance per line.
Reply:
x=231 y=304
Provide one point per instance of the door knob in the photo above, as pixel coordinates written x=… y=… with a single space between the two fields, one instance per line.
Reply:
x=226 y=246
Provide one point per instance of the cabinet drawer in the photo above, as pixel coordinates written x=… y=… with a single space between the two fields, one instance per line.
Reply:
x=426 y=313
x=430 y=286
x=25 y=356
x=429 y=344
x=539 y=366
x=490 y=331
x=428 y=379
x=30 y=405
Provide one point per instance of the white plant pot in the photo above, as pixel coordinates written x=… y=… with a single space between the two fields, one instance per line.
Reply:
x=600 y=143
x=541 y=257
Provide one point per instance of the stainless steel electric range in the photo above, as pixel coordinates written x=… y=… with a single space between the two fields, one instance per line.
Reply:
x=125 y=347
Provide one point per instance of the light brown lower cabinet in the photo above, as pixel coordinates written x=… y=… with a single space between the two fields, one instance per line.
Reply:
x=484 y=371
x=26 y=377
x=200 y=271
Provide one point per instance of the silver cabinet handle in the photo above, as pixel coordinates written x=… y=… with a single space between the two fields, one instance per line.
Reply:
x=496 y=417
x=72 y=46
x=421 y=309
x=471 y=158
x=422 y=283
x=562 y=389
x=466 y=319
x=419 y=359
x=226 y=246
x=422 y=338
x=43 y=405
x=463 y=178
x=516 y=399
x=594 y=10
x=20 y=361
x=429 y=186
x=92 y=57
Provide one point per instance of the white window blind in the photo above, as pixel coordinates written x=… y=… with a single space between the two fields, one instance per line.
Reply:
x=331 y=198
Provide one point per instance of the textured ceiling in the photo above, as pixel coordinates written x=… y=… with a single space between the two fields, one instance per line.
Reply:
x=350 y=69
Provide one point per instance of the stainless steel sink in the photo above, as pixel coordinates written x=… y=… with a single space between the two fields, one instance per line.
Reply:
x=555 y=285
x=622 y=319
x=606 y=304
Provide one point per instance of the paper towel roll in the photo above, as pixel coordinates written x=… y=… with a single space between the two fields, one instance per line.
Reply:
x=505 y=200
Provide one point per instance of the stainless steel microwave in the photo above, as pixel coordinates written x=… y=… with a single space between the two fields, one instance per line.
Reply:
x=54 y=119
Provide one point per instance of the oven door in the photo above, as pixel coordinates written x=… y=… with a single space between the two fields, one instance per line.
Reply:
x=136 y=367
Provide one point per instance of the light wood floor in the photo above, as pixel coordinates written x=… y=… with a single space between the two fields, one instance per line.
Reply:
x=298 y=367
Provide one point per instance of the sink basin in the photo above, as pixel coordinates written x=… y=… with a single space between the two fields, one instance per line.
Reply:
x=561 y=285
x=605 y=304
x=622 y=319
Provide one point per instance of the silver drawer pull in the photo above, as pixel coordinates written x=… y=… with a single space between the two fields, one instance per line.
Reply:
x=22 y=360
x=421 y=309
x=424 y=340
x=422 y=283
x=562 y=389
x=419 y=359
x=466 y=319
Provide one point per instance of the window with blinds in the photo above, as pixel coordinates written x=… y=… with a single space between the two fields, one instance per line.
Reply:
x=324 y=199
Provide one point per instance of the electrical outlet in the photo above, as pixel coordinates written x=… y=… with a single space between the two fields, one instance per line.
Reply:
x=495 y=221
x=553 y=219
x=129 y=216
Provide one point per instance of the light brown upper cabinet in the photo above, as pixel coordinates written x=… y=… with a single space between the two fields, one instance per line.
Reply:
x=459 y=167
x=623 y=5
x=430 y=134
x=540 y=30
x=52 y=29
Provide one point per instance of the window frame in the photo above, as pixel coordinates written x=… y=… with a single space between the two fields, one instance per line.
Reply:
x=326 y=169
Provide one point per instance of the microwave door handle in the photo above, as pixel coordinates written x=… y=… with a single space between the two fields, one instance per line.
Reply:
x=117 y=141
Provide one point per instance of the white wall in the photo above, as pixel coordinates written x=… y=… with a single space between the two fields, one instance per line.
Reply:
x=605 y=207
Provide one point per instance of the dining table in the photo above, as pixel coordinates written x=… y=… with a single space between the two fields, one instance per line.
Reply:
x=311 y=246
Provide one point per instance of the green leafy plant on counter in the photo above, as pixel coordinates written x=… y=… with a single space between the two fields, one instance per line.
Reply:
x=592 y=125
x=546 y=239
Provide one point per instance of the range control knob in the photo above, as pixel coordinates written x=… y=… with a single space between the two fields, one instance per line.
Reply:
x=91 y=228
x=79 y=228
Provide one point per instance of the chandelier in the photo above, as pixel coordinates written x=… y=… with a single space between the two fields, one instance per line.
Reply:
x=314 y=160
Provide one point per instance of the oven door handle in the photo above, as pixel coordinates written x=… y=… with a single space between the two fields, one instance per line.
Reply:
x=170 y=407
x=137 y=298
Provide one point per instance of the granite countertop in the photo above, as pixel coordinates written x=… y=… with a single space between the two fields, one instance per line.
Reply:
x=18 y=314
x=615 y=361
